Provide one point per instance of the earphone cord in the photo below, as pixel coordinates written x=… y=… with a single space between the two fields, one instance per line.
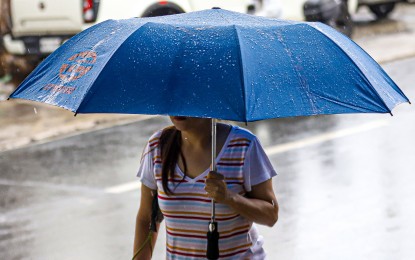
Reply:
x=148 y=239
x=155 y=217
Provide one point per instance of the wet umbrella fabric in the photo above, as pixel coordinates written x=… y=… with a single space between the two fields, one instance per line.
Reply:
x=213 y=63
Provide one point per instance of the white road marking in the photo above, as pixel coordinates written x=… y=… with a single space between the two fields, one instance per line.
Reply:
x=48 y=185
x=129 y=186
x=280 y=148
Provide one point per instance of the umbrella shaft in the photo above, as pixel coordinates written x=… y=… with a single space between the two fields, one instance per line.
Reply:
x=213 y=165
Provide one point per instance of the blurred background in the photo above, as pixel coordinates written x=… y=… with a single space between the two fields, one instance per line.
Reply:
x=68 y=188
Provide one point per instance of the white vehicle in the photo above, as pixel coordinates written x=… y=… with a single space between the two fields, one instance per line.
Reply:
x=41 y=26
x=336 y=13
x=270 y=8
x=293 y=9
x=341 y=19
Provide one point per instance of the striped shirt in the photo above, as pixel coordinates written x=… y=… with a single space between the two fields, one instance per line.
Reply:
x=187 y=211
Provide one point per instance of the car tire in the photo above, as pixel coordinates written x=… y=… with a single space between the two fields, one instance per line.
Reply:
x=161 y=10
x=382 y=10
x=343 y=22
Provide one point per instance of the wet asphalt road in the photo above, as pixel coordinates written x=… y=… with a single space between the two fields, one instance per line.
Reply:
x=346 y=187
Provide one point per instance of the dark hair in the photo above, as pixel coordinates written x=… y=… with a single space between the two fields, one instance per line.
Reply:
x=170 y=145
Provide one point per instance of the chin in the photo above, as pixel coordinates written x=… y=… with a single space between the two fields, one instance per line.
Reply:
x=183 y=123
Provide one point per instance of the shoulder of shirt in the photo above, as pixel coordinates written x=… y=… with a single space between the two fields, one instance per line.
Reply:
x=155 y=136
x=242 y=133
x=154 y=139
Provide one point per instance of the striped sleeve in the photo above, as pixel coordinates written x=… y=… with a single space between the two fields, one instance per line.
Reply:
x=257 y=166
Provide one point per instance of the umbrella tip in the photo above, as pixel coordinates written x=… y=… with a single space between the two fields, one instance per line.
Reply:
x=75 y=114
x=216 y=7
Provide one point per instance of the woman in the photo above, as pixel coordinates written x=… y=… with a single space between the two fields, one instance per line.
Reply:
x=175 y=164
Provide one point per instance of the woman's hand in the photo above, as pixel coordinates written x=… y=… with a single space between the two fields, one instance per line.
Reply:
x=259 y=205
x=216 y=187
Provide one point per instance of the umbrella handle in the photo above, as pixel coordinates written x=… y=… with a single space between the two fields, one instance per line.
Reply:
x=212 y=252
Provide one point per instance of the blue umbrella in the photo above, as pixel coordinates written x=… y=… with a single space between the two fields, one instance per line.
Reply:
x=213 y=63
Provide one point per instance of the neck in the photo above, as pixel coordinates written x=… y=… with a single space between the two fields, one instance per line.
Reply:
x=200 y=137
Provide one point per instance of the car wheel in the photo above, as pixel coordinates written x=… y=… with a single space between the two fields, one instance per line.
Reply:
x=161 y=8
x=161 y=12
x=382 y=10
x=343 y=22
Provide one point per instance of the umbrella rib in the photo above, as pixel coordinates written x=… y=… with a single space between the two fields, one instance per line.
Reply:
x=241 y=70
x=357 y=66
x=86 y=100
x=360 y=109
x=302 y=82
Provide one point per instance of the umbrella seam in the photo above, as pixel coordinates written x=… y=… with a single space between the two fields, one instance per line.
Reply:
x=365 y=78
x=361 y=109
x=86 y=100
x=310 y=97
x=241 y=70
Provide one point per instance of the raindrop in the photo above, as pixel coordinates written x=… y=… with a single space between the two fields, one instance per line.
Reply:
x=35 y=110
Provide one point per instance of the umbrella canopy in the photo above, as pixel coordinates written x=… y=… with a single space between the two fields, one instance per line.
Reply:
x=213 y=63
